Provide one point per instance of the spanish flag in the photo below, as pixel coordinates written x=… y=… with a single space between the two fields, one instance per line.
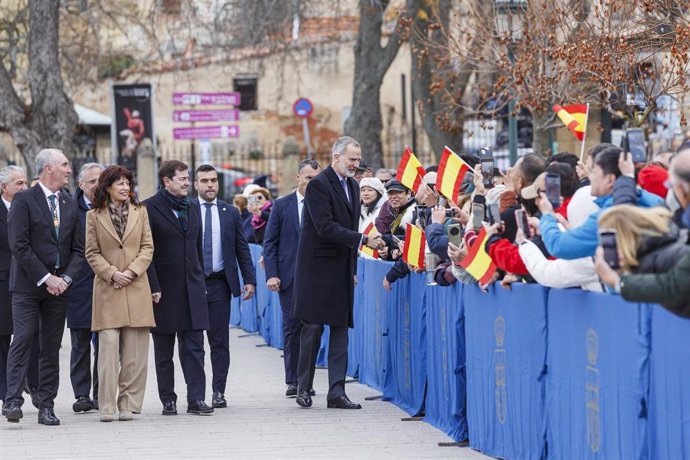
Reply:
x=574 y=117
x=415 y=243
x=451 y=172
x=410 y=171
x=371 y=232
x=477 y=262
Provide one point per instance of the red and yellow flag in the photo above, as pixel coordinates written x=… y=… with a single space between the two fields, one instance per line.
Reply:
x=477 y=262
x=415 y=243
x=451 y=172
x=574 y=117
x=370 y=231
x=410 y=171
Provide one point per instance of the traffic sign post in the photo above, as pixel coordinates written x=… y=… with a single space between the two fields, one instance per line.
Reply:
x=303 y=108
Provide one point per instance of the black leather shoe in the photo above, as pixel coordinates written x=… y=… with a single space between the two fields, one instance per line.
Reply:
x=342 y=402
x=312 y=392
x=13 y=411
x=218 y=401
x=83 y=404
x=169 y=408
x=199 y=408
x=303 y=399
x=46 y=416
x=95 y=403
x=291 y=391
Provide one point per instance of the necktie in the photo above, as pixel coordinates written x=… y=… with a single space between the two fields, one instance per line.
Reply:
x=56 y=223
x=208 y=236
x=343 y=182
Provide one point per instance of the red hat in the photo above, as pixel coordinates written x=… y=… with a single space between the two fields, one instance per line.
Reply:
x=652 y=178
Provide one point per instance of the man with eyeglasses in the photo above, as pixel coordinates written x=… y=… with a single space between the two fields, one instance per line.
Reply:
x=384 y=175
x=80 y=305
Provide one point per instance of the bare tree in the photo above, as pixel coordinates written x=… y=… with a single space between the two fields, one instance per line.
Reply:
x=49 y=119
x=372 y=60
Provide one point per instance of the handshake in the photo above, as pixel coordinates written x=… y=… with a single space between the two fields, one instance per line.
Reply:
x=375 y=242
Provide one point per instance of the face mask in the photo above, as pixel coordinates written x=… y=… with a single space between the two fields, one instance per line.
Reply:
x=672 y=201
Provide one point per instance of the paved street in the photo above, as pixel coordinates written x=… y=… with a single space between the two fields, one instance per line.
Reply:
x=259 y=422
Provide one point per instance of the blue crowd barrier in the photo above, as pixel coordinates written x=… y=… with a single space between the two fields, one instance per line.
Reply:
x=598 y=376
x=669 y=400
x=405 y=377
x=445 y=370
x=505 y=335
x=527 y=373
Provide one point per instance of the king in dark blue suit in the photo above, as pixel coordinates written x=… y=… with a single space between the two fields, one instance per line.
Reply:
x=224 y=248
x=280 y=252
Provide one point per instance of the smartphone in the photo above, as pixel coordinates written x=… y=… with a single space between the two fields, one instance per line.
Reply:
x=634 y=142
x=454 y=232
x=487 y=170
x=553 y=189
x=478 y=212
x=494 y=214
x=252 y=200
x=521 y=221
x=609 y=242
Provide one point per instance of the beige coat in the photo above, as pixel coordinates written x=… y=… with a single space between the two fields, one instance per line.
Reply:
x=107 y=253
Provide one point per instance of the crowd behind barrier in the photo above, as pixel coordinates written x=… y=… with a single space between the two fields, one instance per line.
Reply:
x=527 y=373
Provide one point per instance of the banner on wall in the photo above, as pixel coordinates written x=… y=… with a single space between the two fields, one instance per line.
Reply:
x=132 y=127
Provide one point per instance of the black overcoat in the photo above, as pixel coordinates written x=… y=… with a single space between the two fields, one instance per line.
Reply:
x=5 y=259
x=81 y=291
x=327 y=252
x=176 y=270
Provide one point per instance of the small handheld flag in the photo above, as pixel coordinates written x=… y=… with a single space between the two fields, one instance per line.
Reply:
x=477 y=262
x=410 y=171
x=415 y=243
x=370 y=231
x=451 y=172
x=574 y=117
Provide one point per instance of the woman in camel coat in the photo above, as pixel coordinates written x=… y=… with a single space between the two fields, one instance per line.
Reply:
x=119 y=248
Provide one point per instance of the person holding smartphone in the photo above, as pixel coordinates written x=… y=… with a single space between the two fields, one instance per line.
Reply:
x=612 y=187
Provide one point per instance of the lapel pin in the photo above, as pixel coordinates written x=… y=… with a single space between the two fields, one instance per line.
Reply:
x=224 y=209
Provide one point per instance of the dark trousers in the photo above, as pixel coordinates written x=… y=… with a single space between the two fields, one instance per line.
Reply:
x=4 y=350
x=310 y=341
x=28 y=310
x=32 y=371
x=190 y=346
x=292 y=328
x=218 y=298
x=80 y=370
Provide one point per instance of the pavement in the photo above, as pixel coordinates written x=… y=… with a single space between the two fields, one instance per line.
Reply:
x=258 y=423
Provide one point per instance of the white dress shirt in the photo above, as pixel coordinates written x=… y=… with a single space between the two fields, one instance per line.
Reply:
x=57 y=207
x=216 y=247
x=7 y=203
x=300 y=206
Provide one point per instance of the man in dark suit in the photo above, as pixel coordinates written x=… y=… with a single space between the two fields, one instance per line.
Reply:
x=280 y=251
x=224 y=247
x=48 y=252
x=80 y=306
x=12 y=181
x=178 y=289
x=325 y=270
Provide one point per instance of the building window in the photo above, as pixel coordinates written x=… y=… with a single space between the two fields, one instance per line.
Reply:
x=247 y=87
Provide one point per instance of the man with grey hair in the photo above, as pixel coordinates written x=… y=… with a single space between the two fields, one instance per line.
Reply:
x=80 y=305
x=325 y=271
x=48 y=252
x=384 y=175
x=12 y=180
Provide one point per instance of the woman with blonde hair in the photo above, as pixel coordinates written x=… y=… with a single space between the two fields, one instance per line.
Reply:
x=119 y=248
x=260 y=205
x=648 y=241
